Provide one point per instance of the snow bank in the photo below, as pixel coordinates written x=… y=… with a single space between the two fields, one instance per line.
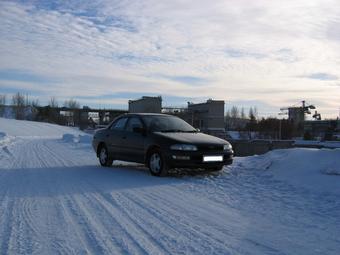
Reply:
x=35 y=129
x=83 y=139
x=68 y=138
x=313 y=169
x=4 y=139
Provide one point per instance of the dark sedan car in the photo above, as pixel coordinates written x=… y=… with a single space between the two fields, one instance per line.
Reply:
x=161 y=142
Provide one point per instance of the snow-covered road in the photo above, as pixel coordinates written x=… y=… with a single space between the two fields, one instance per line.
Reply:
x=55 y=199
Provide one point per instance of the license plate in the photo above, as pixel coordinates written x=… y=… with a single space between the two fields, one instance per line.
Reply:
x=212 y=158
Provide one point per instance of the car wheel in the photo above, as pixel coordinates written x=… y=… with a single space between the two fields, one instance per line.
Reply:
x=104 y=158
x=157 y=164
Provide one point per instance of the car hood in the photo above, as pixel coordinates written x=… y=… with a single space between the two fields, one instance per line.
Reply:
x=192 y=138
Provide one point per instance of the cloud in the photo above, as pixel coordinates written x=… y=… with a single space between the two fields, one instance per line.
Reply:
x=322 y=76
x=234 y=53
x=228 y=50
x=184 y=79
x=23 y=75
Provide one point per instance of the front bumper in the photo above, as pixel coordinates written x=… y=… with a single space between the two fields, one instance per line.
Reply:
x=194 y=159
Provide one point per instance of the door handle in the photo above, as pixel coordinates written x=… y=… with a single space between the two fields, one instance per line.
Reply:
x=124 y=137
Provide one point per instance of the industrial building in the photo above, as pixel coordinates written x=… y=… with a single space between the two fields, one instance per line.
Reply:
x=146 y=104
x=297 y=114
x=207 y=116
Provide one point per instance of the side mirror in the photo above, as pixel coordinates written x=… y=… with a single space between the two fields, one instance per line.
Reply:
x=139 y=130
x=198 y=130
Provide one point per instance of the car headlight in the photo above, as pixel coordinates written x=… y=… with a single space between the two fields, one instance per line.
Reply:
x=227 y=147
x=183 y=147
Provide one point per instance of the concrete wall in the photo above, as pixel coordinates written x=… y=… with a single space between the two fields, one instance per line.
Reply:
x=244 y=148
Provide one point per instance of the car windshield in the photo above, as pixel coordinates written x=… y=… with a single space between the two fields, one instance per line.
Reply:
x=167 y=124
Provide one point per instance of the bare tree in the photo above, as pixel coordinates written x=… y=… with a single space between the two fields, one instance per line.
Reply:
x=2 y=104
x=53 y=103
x=27 y=100
x=2 y=100
x=227 y=114
x=35 y=103
x=233 y=118
x=253 y=115
x=52 y=113
x=243 y=115
x=234 y=112
x=256 y=114
x=72 y=104
x=18 y=102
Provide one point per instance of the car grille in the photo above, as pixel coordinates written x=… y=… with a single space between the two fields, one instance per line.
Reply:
x=207 y=148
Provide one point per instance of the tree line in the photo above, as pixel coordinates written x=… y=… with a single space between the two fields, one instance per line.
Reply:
x=236 y=119
x=22 y=106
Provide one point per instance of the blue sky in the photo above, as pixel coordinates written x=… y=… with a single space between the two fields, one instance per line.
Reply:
x=265 y=53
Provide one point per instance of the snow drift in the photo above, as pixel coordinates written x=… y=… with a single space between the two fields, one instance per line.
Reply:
x=24 y=128
x=313 y=169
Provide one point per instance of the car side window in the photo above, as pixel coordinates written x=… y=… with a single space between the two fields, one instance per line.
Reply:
x=133 y=123
x=119 y=124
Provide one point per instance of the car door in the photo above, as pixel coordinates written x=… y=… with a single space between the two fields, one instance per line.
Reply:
x=134 y=138
x=115 y=137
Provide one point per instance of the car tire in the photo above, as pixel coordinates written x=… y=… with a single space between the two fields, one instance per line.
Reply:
x=104 y=158
x=156 y=164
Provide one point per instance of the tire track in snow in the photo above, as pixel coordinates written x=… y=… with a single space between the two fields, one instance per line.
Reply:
x=81 y=226
x=215 y=225
x=111 y=221
x=142 y=239
x=27 y=224
x=215 y=219
x=23 y=225
x=59 y=158
x=72 y=210
x=6 y=230
x=52 y=240
x=201 y=240
x=23 y=231
x=164 y=235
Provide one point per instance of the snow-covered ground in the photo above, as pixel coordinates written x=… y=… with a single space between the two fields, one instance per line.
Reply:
x=55 y=199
